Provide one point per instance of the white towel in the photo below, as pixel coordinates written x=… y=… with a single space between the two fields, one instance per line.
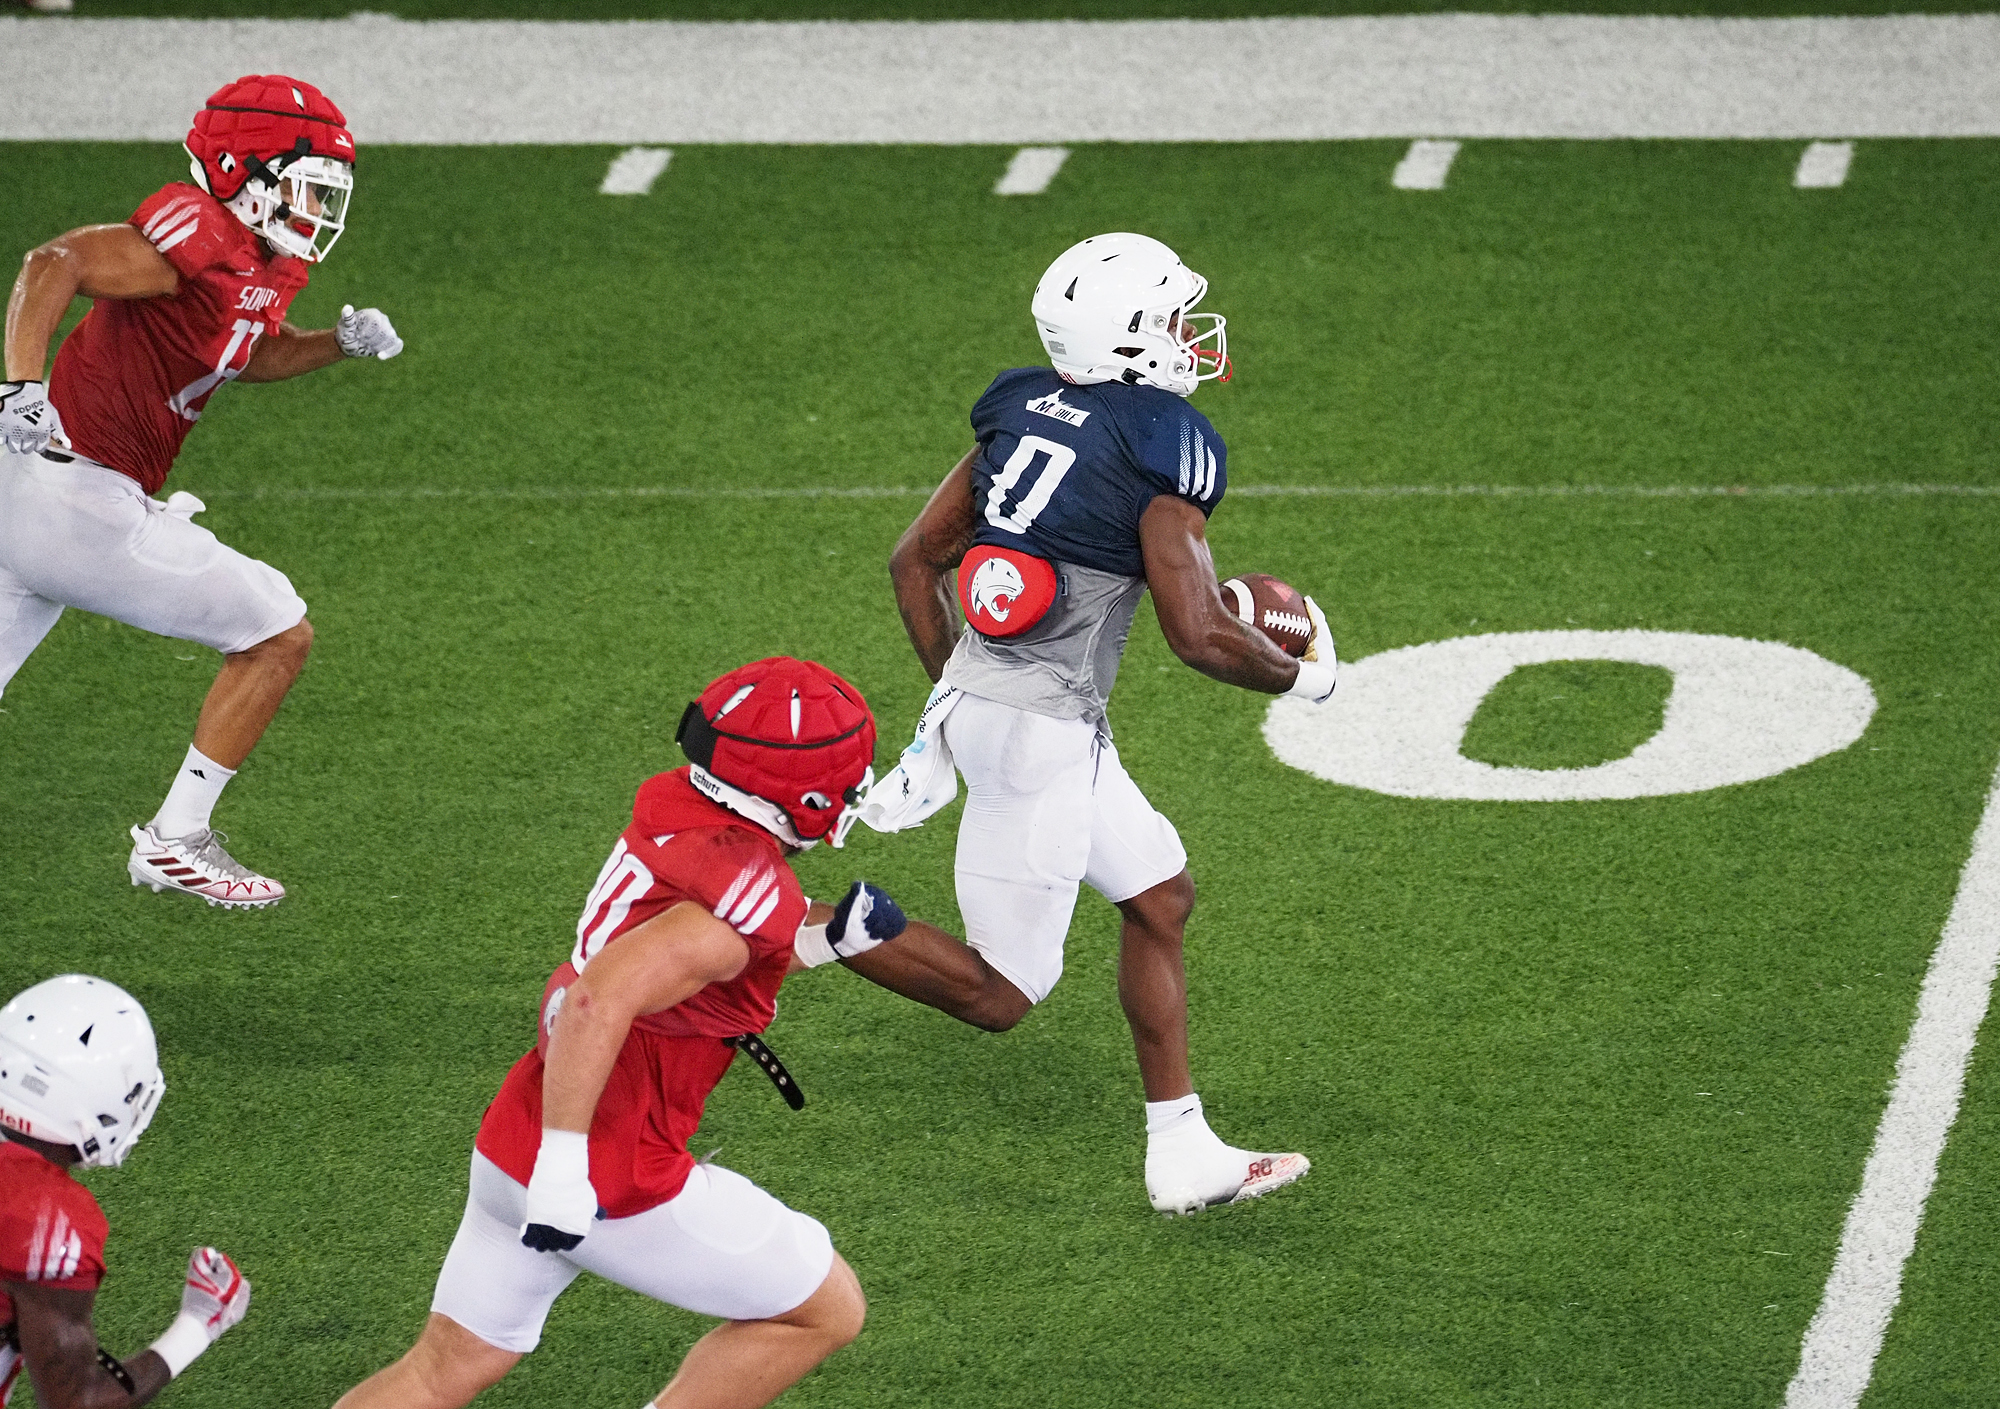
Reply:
x=923 y=779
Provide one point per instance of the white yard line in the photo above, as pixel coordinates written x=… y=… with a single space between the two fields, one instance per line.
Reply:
x=1823 y=164
x=1845 y=1336
x=1028 y=83
x=634 y=170
x=1031 y=170
x=1248 y=491
x=1425 y=166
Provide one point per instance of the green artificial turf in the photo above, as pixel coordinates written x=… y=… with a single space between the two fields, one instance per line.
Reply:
x=964 y=9
x=1568 y=714
x=1587 y=1086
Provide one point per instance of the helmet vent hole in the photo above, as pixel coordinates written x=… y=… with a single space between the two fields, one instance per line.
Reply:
x=1070 y=292
x=1133 y=326
x=1128 y=351
x=85 y=1037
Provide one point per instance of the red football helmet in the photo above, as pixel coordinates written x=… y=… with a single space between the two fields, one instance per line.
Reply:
x=787 y=744
x=278 y=153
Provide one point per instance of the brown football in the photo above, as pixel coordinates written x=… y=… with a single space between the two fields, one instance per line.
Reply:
x=1275 y=608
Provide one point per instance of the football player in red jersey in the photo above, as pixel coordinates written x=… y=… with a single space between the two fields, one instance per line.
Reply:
x=190 y=293
x=581 y=1163
x=79 y=1082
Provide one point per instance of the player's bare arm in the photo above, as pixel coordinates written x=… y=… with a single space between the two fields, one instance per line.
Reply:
x=923 y=563
x=1198 y=625
x=292 y=353
x=671 y=957
x=95 y=261
x=59 y=1344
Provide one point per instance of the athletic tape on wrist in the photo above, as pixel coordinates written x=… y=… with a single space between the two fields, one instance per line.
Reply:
x=813 y=947
x=564 y=1154
x=1314 y=681
x=185 y=1339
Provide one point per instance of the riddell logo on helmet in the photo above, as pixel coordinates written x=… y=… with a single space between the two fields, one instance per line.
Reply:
x=14 y=1122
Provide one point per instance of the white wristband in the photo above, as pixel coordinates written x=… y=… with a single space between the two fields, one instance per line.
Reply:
x=1314 y=682
x=181 y=1343
x=565 y=1154
x=813 y=947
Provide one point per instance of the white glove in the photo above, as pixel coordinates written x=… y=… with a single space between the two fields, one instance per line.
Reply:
x=865 y=917
x=561 y=1202
x=214 y=1298
x=1320 y=648
x=366 y=334
x=28 y=419
x=1320 y=669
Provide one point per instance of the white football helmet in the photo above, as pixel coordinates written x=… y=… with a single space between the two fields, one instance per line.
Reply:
x=1120 y=308
x=78 y=1066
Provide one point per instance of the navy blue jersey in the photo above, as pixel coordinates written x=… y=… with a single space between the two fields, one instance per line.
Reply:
x=1068 y=470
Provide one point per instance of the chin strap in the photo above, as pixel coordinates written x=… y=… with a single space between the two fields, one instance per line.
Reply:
x=749 y=806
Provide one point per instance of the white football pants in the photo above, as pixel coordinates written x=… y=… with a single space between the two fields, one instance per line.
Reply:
x=720 y=1247
x=81 y=535
x=1048 y=807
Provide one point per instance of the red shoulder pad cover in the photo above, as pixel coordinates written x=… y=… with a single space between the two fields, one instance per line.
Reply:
x=1003 y=591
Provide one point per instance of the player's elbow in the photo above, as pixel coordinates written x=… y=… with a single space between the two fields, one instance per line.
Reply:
x=907 y=567
x=52 y=263
x=1210 y=652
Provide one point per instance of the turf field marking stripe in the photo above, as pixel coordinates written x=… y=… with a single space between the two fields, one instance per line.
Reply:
x=1823 y=165
x=1253 y=491
x=634 y=170
x=1425 y=166
x=1031 y=170
x=668 y=82
x=1845 y=1335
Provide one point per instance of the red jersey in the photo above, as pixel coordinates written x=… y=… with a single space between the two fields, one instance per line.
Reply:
x=131 y=379
x=680 y=847
x=51 y=1233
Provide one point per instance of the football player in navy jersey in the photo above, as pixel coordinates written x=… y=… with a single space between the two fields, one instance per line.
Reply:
x=1090 y=483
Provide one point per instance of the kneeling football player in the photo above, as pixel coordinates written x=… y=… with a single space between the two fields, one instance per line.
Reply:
x=581 y=1163
x=79 y=1080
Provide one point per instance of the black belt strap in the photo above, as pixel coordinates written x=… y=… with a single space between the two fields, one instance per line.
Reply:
x=763 y=1056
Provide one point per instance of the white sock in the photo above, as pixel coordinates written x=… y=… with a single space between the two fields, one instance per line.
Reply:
x=192 y=797
x=1181 y=1113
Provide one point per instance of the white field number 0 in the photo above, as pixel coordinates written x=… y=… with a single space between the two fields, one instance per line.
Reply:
x=1061 y=457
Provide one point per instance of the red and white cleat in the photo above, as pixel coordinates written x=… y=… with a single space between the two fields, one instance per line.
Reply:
x=197 y=864
x=1268 y=1172
x=1179 y=1183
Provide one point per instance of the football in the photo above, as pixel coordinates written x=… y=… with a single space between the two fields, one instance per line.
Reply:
x=1275 y=608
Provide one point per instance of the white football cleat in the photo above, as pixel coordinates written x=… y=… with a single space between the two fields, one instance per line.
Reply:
x=197 y=864
x=1224 y=1176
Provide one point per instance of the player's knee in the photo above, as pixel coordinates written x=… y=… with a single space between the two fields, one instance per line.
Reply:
x=998 y=1007
x=449 y=1365
x=846 y=1310
x=1159 y=915
x=286 y=650
x=297 y=641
